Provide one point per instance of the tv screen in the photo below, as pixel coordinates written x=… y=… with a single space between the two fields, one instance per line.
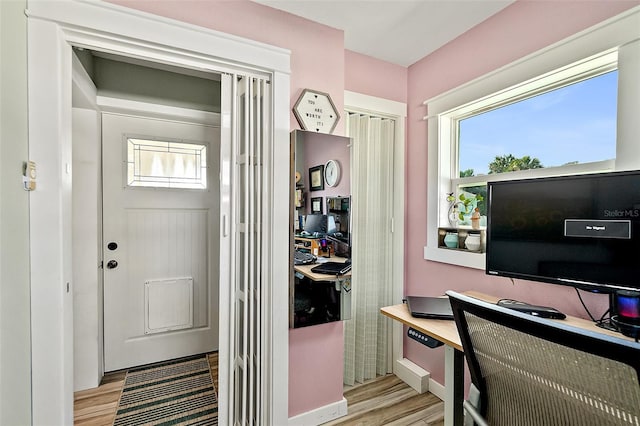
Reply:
x=581 y=230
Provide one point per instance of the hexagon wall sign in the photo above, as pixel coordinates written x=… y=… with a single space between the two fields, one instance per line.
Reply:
x=315 y=111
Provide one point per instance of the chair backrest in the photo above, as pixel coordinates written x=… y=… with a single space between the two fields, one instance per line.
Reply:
x=531 y=371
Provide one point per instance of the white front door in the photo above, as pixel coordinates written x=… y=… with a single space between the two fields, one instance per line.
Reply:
x=161 y=244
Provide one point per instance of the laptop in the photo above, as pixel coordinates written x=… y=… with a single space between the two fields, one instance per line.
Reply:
x=430 y=307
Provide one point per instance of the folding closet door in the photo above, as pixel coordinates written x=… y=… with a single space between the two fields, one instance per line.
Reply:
x=246 y=101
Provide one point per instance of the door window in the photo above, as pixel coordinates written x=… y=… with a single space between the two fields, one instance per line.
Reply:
x=164 y=164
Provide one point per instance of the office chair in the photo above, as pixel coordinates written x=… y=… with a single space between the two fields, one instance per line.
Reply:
x=531 y=371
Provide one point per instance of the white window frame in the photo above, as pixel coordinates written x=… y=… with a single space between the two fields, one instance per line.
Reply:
x=588 y=53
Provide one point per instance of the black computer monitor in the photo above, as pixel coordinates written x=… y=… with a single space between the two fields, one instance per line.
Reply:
x=320 y=223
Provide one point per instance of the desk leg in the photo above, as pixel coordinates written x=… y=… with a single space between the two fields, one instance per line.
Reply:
x=454 y=383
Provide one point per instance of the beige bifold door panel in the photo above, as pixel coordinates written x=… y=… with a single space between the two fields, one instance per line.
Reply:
x=161 y=221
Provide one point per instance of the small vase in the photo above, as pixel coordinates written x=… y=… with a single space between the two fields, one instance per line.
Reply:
x=472 y=242
x=451 y=240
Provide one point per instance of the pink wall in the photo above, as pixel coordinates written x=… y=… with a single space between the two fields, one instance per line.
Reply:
x=370 y=76
x=317 y=62
x=318 y=150
x=520 y=29
x=317 y=51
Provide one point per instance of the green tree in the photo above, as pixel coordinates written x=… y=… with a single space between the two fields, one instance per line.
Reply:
x=509 y=163
x=466 y=173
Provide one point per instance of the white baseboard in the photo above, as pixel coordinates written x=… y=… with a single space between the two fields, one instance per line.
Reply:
x=437 y=389
x=320 y=415
x=412 y=374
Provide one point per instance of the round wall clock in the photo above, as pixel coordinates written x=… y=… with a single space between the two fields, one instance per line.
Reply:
x=332 y=172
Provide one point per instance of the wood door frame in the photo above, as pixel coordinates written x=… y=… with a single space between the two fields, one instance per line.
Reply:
x=54 y=27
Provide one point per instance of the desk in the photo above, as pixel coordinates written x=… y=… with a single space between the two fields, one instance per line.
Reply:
x=306 y=271
x=446 y=332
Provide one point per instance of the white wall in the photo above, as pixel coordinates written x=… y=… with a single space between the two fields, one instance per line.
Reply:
x=87 y=243
x=15 y=335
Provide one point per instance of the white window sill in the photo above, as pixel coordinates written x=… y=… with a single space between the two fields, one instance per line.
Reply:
x=455 y=257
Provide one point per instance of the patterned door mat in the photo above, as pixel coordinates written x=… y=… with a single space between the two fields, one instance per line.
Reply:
x=178 y=392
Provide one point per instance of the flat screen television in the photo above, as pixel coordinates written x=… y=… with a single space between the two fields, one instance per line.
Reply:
x=582 y=231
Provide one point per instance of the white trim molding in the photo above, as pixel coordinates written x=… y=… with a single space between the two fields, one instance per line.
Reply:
x=360 y=102
x=161 y=112
x=320 y=415
x=437 y=389
x=85 y=20
x=413 y=375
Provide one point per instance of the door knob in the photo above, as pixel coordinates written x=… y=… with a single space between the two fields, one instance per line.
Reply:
x=112 y=246
x=112 y=264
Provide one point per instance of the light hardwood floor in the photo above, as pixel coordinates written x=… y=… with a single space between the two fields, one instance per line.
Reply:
x=97 y=407
x=382 y=401
x=387 y=400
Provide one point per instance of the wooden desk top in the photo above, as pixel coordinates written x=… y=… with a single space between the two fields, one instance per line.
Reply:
x=442 y=330
x=306 y=270
x=446 y=332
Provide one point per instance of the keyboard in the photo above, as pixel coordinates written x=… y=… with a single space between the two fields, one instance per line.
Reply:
x=302 y=258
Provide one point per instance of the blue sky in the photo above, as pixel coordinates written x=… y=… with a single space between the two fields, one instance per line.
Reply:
x=574 y=123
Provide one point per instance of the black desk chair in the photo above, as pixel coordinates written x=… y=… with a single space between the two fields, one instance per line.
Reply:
x=530 y=371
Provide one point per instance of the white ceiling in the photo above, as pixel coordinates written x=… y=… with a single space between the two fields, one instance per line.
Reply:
x=397 y=31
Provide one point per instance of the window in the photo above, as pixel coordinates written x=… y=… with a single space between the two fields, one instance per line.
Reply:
x=164 y=164
x=574 y=124
x=567 y=118
x=565 y=110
